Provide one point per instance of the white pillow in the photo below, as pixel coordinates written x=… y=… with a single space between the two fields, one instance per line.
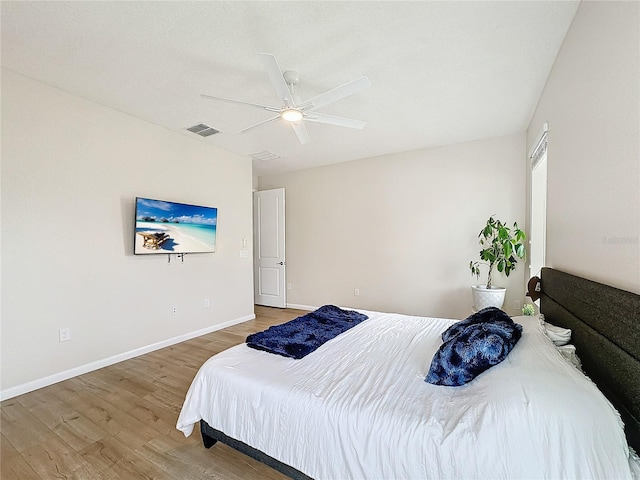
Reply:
x=558 y=335
x=569 y=352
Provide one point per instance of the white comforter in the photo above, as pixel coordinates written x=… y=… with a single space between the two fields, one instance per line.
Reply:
x=358 y=407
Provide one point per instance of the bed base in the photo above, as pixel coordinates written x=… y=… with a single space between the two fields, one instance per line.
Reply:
x=210 y=436
x=605 y=325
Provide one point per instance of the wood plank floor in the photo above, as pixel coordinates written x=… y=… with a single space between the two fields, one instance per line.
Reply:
x=119 y=422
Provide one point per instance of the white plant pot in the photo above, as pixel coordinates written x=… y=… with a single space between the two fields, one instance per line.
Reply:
x=484 y=297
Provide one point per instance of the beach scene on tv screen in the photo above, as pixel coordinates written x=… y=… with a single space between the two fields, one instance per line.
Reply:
x=168 y=227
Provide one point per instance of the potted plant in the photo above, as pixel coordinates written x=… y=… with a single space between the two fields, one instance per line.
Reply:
x=502 y=246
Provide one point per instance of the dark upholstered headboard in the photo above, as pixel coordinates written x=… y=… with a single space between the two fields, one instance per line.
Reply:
x=605 y=324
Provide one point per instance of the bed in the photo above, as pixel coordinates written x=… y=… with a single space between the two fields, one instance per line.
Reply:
x=358 y=407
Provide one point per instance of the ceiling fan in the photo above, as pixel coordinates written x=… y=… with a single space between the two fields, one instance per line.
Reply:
x=294 y=112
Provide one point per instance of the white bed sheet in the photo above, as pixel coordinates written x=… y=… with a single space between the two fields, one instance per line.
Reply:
x=358 y=407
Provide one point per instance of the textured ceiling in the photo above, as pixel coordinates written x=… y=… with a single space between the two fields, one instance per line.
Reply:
x=441 y=72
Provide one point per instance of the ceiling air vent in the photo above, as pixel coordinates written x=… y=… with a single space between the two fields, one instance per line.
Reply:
x=264 y=156
x=203 y=130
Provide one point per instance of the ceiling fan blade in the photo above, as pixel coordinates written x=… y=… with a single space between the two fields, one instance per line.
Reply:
x=259 y=123
x=337 y=93
x=277 y=79
x=241 y=102
x=301 y=132
x=333 y=120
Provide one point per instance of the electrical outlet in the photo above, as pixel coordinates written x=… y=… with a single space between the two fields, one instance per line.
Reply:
x=517 y=304
x=64 y=334
x=206 y=303
x=356 y=292
x=288 y=286
x=174 y=310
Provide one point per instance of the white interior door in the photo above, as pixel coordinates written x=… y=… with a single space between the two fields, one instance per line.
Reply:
x=269 y=248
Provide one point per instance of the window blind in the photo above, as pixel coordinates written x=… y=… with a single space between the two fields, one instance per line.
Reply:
x=539 y=149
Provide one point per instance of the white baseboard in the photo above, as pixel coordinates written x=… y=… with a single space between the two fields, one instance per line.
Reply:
x=301 y=307
x=89 y=367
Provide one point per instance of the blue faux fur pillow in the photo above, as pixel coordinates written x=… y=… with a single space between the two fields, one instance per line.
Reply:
x=488 y=314
x=472 y=346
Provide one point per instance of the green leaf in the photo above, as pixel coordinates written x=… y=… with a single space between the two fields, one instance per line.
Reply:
x=488 y=255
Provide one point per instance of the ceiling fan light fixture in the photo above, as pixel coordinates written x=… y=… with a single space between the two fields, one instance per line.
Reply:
x=291 y=115
x=294 y=112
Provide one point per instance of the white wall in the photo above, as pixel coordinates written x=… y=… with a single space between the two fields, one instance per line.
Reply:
x=70 y=172
x=592 y=104
x=401 y=228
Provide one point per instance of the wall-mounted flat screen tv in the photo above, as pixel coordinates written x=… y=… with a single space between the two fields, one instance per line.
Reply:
x=170 y=227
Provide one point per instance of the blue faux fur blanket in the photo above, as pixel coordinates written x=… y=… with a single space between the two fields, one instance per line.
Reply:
x=303 y=335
